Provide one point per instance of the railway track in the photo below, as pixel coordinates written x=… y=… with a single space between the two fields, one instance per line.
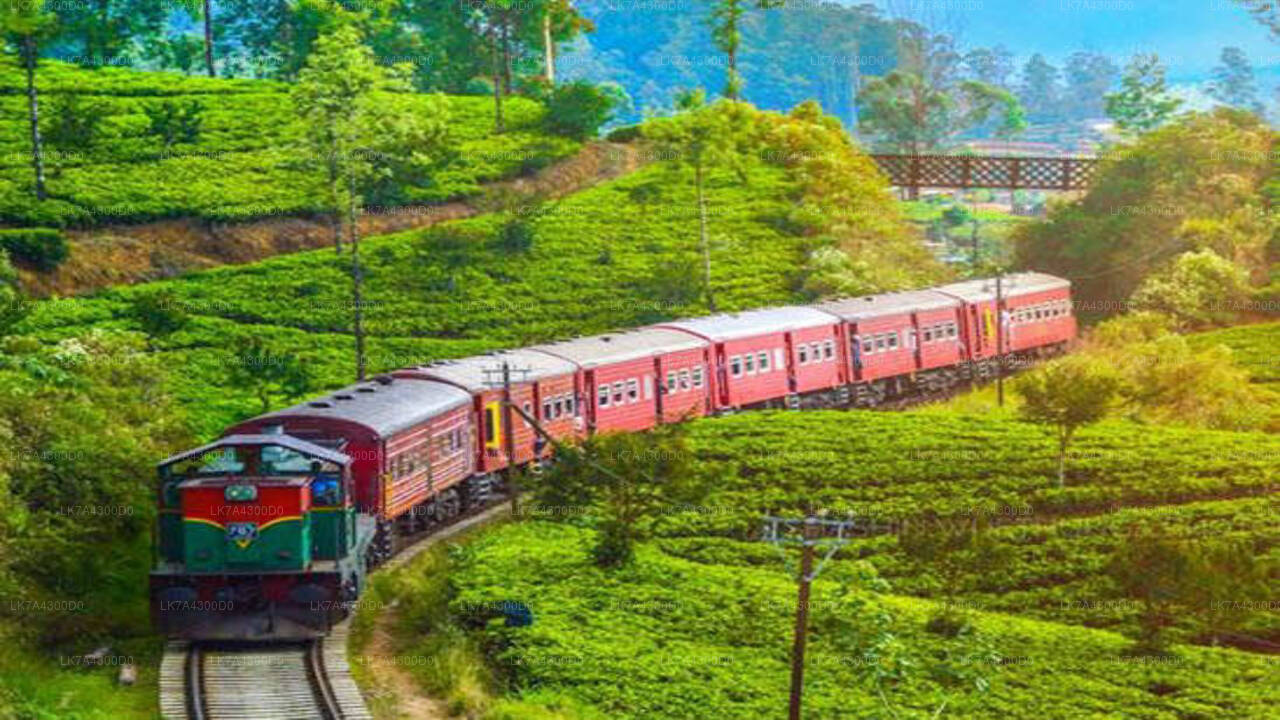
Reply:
x=282 y=681
x=277 y=681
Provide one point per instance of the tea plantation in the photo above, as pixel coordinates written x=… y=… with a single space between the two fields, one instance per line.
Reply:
x=621 y=254
x=243 y=161
x=700 y=624
x=671 y=638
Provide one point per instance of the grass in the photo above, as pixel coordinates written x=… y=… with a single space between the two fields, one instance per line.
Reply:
x=37 y=685
x=245 y=162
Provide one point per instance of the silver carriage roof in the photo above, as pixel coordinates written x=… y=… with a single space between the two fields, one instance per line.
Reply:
x=385 y=405
x=871 y=306
x=480 y=372
x=1012 y=285
x=597 y=350
x=731 y=326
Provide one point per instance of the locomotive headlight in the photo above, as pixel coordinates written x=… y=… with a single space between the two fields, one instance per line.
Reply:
x=240 y=493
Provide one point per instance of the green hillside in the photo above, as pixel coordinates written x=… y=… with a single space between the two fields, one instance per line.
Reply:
x=670 y=638
x=700 y=623
x=244 y=163
x=1256 y=348
x=621 y=254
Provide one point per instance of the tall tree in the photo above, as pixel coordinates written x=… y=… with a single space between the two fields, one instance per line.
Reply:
x=1233 y=82
x=1040 y=90
x=24 y=24
x=1068 y=394
x=701 y=137
x=1089 y=77
x=726 y=34
x=992 y=66
x=909 y=114
x=347 y=105
x=106 y=30
x=1143 y=102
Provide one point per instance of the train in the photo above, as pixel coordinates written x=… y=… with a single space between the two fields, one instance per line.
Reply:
x=270 y=531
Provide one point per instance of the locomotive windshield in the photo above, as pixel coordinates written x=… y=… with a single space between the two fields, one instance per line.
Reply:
x=254 y=460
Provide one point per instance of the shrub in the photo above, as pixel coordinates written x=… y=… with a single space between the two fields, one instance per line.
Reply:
x=624 y=134
x=577 y=110
x=176 y=122
x=42 y=248
x=1199 y=289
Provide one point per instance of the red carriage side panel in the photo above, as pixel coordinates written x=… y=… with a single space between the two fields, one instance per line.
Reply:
x=359 y=420
x=882 y=333
x=427 y=459
x=684 y=385
x=619 y=373
x=884 y=347
x=756 y=352
x=1033 y=312
x=1039 y=319
x=816 y=357
x=541 y=386
x=939 y=338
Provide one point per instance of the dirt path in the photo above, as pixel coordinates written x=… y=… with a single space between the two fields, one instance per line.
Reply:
x=392 y=693
x=127 y=254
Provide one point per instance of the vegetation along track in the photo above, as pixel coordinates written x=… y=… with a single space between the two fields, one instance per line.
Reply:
x=276 y=681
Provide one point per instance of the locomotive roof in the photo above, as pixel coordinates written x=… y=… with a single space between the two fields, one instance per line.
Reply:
x=385 y=405
x=1013 y=284
x=285 y=441
x=730 y=326
x=869 y=306
x=597 y=350
x=481 y=372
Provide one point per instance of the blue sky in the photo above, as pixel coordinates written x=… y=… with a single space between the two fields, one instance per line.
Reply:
x=1188 y=34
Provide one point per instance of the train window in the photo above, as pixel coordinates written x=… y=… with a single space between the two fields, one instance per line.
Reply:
x=893 y=340
x=928 y=334
x=671 y=381
x=546 y=409
x=749 y=363
x=828 y=349
x=633 y=390
x=617 y=393
x=697 y=376
x=569 y=408
x=803 y=353
x=762 y=359
x=951 y=330
x=868 y=345
x=684 y=379
x=735 y=366
x=604 y=396
x=880 y=342
x=815 y=352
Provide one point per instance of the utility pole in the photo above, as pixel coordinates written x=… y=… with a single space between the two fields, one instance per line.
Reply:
x=814 y=532
x=1000 y=338
x=508 y=430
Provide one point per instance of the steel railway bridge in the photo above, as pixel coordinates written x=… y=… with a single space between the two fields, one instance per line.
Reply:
x=979 y=171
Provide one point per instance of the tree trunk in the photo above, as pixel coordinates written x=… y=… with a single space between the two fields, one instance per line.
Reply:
x=549 y=48
x=497 y=89
x=731 y=86
x=357 y=279
x=208 y=37
x=33 y=102
x=1063 y=439
x=506 y=56
x=336 y=218
x=702 y=233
